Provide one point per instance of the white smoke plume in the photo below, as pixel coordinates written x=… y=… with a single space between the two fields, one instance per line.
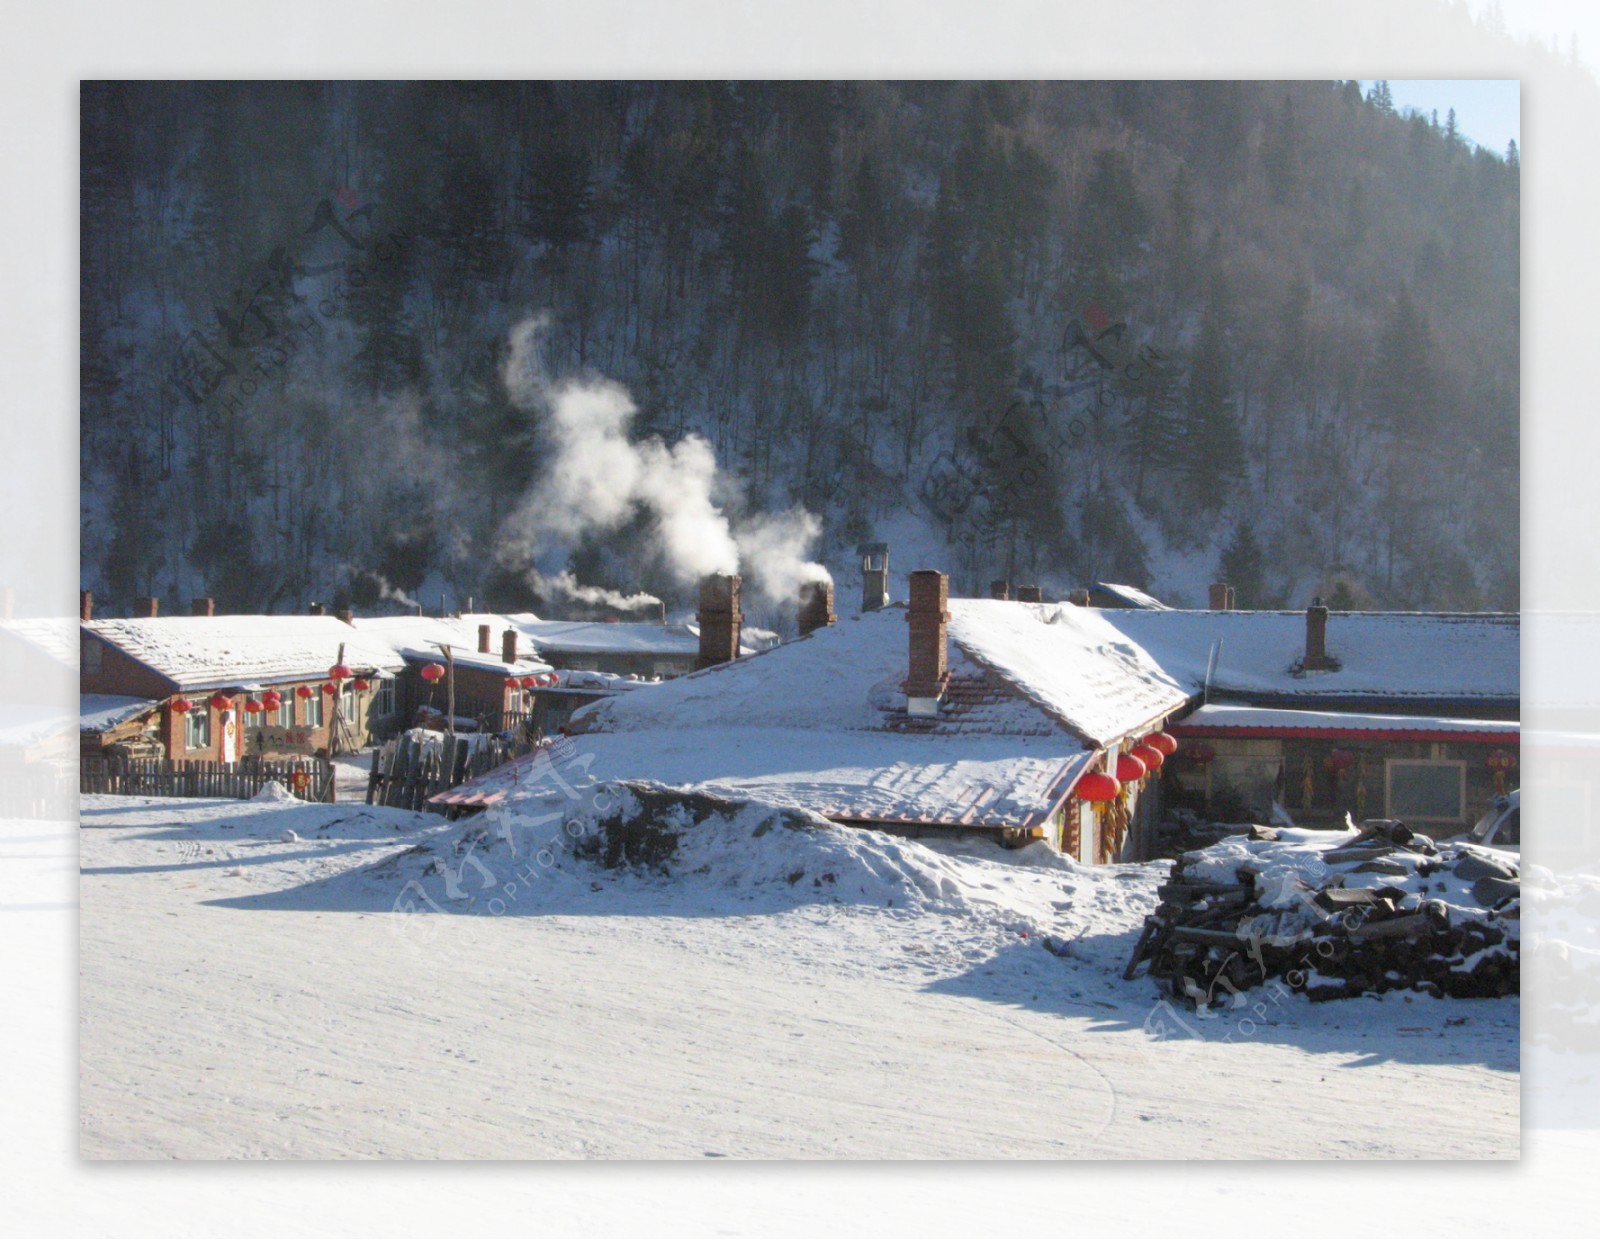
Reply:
x=597 y=479
x=565 y=585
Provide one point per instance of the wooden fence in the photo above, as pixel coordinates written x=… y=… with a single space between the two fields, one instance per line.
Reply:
x=310 y=779
x=405 y=772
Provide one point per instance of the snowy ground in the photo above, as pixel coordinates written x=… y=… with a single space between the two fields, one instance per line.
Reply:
x=245 y=994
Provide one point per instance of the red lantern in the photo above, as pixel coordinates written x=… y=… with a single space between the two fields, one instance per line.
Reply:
x=271 y=700
x=221 y=701
x=182 y=706
x=1201 y=755
x=304 y=691
x=1098 y=787
x=252 y=706
x=362 y=686
x=528 y=682
x=432 y=672
x=339 y=672
x=1150 y=756
x=1339 y=760
x=1129 y=769
x=1168 y=745
x=330 y=690
x=513 y=683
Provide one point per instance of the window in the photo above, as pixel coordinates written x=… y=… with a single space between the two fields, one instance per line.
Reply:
x=349 y=703
x=1417 y=790
x=314 y=710
x=383 y=707
x=283 y=717
x=90 y=655
x=197 y=728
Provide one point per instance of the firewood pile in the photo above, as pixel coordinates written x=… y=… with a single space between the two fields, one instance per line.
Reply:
x=1336 y=914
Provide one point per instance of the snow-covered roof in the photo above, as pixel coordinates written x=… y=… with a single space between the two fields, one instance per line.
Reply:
x=985 y=781
x=212 y=652
x=1016 y=669
x=1132 y=596
x=415 y=638
x=99 y=711
x=1069 y=661
x=1249 y=721
x=821 y=724
x=620 y=637
x=1426 y=657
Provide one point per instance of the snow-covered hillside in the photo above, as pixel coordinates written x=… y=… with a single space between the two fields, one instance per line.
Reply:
x=384 y=984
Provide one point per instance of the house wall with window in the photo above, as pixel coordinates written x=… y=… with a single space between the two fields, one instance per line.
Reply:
x=1435 y=785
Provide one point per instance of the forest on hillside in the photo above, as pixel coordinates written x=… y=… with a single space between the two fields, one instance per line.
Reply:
x=1150 y=332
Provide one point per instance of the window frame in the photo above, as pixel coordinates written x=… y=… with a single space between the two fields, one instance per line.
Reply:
x=1391 y=765
x=195 y=722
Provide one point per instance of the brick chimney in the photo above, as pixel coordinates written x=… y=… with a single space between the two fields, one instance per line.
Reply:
x=1030 y=594
x=1078 y=598
x=508 y=646
x=348 y=616
x=146 y=608
x=928 y=616
x=1316 y=658
x=202 y=607
x=316 y=609
x=874 y=576
x=1000 y=589
x=1221 y=596
x=816 y=606
x=85 y=606
x=483 y=639
x=719 y=618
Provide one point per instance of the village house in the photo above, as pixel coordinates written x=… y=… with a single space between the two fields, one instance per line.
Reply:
x=1376 y=714
x=937 y=715
x=205 y=687
x=480 y=654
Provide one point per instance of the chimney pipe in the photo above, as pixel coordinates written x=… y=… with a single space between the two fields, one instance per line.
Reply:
x=417 y=609
x=816 y=606
x=1221 y=596
x=202 y=607
x=928 y=616
x=483 y=639
x=1317 y=638
x=316 y=609
x=720 y=618
x=874 y=576
x=661 y=614
x=85 y=606
x=348 y=616
x=1078 y=598
x=1030 y=594
x=146 y=608
x=508 y=646
x=1000 y=589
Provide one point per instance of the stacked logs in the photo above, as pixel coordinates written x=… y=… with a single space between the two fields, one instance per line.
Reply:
x=1371 y=909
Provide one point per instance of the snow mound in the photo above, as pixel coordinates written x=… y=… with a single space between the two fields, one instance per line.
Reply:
x=704 y=841
x=273 y=791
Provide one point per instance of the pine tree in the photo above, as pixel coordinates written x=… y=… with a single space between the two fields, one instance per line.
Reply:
x=1280 y=155
x=1212 y=440
x=1402 y=394
x=1243 y=566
